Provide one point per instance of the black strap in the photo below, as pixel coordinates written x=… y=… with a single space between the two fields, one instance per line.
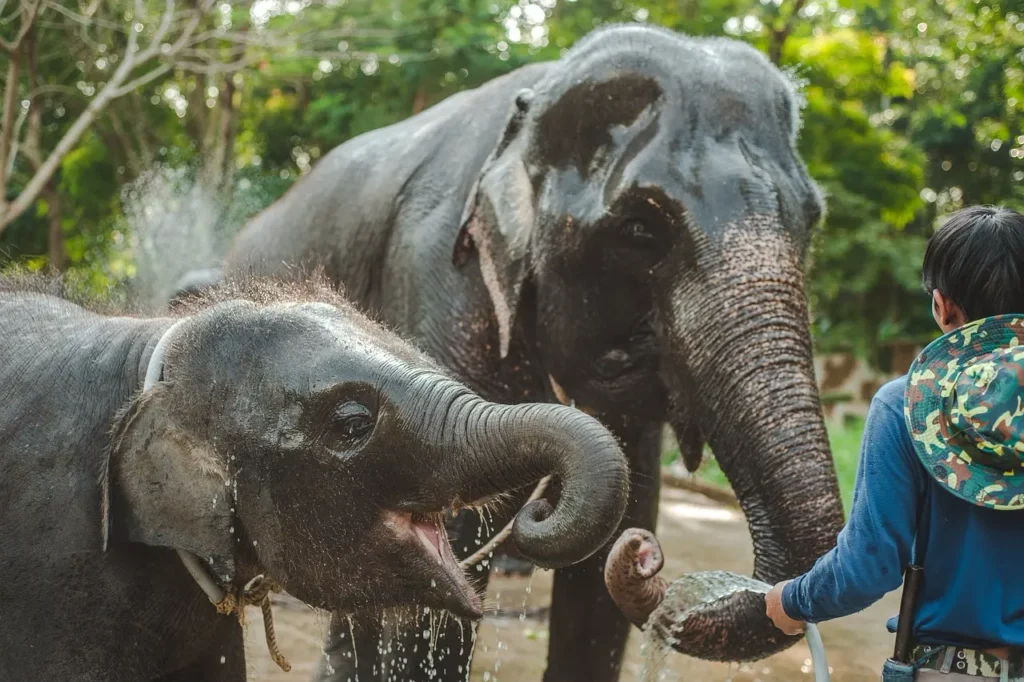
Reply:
x=923 y=523
x=912 y=578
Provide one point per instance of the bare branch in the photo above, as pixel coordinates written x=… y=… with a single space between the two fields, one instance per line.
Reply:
x=29 y=10
x=133 y=85
x=156 y=45
x=46 y=170
x=214 y=67
x=176 y=43
x=83 y=20
x=115 y=87
x=13 y=154
x=263 y=39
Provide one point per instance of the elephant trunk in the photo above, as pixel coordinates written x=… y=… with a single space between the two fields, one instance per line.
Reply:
x=745 y=338
x=489 y=449
x=630 y=573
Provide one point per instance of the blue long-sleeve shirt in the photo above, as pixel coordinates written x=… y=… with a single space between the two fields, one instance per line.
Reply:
x=972 y=590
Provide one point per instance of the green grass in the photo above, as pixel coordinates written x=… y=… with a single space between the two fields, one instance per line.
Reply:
x=845 y=442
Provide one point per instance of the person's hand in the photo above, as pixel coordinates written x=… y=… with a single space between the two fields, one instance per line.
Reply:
x=773 y=607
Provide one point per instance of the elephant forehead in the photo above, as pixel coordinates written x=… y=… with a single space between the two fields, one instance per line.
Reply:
x=340 y=338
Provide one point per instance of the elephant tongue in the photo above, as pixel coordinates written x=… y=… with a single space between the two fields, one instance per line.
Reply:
x=429 y=534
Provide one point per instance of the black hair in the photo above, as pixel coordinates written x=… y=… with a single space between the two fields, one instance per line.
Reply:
x=976 y=259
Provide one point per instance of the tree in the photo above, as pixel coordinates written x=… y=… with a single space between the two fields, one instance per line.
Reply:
x=911 y=110
x=111 y=51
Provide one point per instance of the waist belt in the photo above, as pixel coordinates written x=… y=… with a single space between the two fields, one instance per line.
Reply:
x=975 y=662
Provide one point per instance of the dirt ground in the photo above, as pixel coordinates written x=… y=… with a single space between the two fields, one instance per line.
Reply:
x=697 y=535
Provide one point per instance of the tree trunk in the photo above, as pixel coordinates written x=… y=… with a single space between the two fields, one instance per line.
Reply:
x=420 y=101
x=780 y=35
x=57 y=256
x=7 y=122
x=224 y=157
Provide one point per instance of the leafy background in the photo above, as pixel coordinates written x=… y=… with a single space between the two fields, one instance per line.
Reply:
x=913 y=109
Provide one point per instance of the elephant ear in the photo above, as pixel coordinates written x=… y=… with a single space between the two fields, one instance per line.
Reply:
x=499 y=218
x=168 y=491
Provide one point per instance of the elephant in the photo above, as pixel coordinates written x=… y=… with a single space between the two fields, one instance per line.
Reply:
x=625 y=228
x=278 y=433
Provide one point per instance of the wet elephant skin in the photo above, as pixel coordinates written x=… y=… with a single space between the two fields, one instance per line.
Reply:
x=287 y=436
x=625 y=227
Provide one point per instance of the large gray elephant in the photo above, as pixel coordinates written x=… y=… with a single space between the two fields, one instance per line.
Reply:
x=280 y=433
x=625 y=227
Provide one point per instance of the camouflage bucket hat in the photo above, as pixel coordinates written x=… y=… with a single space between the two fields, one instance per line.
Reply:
x=965 y=410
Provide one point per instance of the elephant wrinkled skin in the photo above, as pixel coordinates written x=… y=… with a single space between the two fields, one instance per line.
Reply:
x=288 y=437
x=625 y=227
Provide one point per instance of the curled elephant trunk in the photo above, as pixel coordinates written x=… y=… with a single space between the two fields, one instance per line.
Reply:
x=488 y=449
x=631 y=574
x=747 y=346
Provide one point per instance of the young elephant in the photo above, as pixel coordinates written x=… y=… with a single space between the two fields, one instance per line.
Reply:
x=283 y=435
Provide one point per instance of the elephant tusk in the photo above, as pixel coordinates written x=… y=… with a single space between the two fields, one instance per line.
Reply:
x=154 y=372
x=257 y=590
x=564 y=398
x=559 y=391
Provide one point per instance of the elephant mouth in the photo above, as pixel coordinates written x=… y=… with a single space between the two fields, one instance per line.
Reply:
x=430 y=534
x=425 y=534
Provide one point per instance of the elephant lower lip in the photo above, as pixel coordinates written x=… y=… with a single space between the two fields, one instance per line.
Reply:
x=448 y=585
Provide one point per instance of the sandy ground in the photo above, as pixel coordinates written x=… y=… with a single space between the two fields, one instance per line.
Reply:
x=696 y=534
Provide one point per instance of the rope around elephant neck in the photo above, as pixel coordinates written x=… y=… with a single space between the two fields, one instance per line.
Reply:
x=503 y=534
x=226 y=599
x=255 y=593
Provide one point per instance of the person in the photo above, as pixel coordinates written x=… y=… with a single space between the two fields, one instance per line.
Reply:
x=940 y=480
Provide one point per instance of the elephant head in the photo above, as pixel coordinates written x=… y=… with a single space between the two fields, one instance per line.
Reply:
x=648 y=195
x=289 y=436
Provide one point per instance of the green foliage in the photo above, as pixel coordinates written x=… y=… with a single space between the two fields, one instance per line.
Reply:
x=912 y=109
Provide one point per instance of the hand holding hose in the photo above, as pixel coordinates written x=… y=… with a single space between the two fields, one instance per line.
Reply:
x=778 y=615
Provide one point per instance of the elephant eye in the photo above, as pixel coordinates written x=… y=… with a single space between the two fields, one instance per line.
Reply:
x=638 y=232
x=350 y=423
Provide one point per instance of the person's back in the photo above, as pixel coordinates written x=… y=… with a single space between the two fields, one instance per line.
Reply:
x=940 y=480
x=967 y=597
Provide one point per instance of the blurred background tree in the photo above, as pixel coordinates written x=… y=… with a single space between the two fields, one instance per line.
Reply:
x=913 y=109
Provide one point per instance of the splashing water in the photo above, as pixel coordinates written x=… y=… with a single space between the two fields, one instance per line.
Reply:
x=472 y=648
x=175 y=223
x=655 y=652
x=355 y=654
x=526 y=597
x=498 y=644
x=687 y=596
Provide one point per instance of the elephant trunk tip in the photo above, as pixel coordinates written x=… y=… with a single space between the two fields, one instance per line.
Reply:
x=631 y=574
